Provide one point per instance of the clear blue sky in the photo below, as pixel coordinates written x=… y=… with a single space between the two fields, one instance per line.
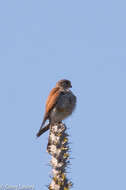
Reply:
x=40 y=43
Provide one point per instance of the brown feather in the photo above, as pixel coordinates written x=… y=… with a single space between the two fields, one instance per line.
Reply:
x=51 y=101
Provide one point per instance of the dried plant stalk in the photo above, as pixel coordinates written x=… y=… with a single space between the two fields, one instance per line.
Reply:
x=58 y=148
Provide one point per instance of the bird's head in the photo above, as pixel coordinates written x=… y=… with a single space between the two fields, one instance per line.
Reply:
x=65 y=84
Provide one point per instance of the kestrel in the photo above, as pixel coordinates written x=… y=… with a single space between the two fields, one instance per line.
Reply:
x=59 y=105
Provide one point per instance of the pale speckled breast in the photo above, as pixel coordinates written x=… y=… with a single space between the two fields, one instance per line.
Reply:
x=64 y=106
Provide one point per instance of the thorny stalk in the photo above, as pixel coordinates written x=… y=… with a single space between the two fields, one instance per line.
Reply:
x=58 y=148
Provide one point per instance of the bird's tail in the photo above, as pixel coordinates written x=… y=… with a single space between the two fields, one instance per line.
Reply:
x=42 y=130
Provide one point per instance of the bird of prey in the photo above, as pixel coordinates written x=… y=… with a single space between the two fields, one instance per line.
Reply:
x=60 y=104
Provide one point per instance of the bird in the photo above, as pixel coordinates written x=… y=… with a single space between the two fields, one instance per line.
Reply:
x=60 y=104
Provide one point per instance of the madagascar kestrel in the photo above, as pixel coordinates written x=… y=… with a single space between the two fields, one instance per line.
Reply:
x=59 y=105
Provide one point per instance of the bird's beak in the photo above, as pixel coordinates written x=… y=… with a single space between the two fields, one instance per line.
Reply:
x=70 y=86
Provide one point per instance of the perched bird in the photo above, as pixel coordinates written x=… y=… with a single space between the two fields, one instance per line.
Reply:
x=59 y=105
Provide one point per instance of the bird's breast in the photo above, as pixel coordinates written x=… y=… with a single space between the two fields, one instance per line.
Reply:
x=64 y=107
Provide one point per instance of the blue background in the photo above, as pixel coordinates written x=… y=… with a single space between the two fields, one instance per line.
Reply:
x=40 y=43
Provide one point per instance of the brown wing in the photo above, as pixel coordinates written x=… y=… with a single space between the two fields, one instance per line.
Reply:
x=51 y=101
